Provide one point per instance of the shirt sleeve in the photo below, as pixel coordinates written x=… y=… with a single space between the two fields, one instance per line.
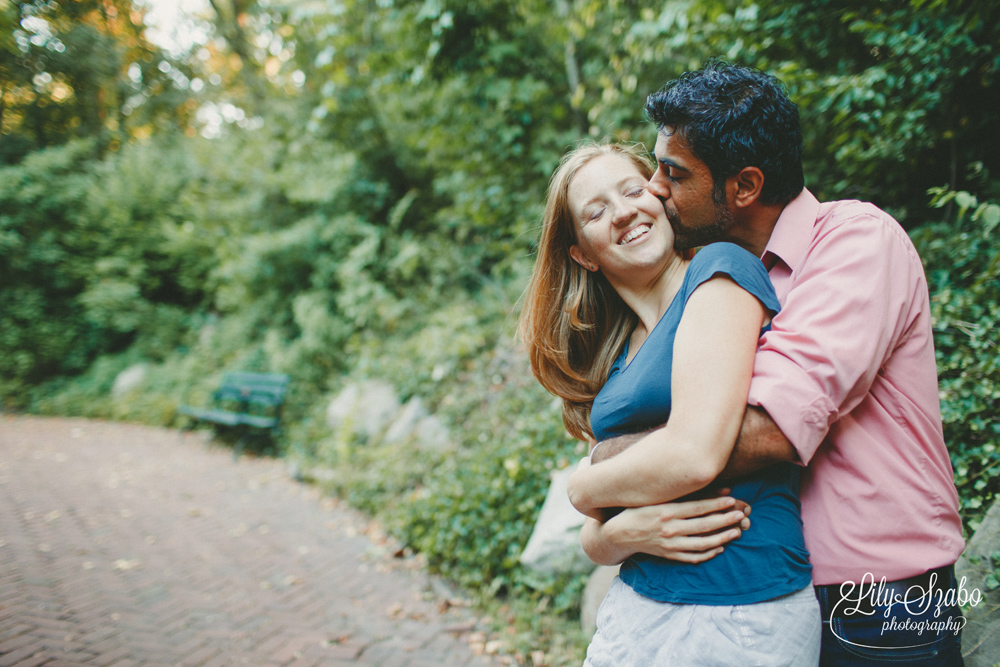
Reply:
x=741 y=266
x=850 y=303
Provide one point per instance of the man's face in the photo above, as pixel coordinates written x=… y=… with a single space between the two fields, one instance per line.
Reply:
x=685 y=186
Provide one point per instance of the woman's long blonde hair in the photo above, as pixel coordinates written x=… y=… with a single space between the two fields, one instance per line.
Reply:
x=574 y=324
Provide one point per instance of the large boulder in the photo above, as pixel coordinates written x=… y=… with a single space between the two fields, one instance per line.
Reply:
x=365 y=408
x=405 y=421
x=431 y=433
x=128 y=380
x=554 y=545
x=981 y=636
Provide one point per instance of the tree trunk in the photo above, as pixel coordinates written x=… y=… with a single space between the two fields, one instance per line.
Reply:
x=572 y=68
x=228 y=23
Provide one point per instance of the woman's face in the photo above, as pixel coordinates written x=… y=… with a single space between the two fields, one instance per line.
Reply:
x=621 y=228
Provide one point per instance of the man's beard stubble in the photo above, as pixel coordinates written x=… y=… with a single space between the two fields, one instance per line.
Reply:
x=686 y=238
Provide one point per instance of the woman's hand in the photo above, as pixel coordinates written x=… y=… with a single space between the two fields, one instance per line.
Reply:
x=692 y=531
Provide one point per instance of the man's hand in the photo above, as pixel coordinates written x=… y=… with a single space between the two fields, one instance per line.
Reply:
x=690 y=532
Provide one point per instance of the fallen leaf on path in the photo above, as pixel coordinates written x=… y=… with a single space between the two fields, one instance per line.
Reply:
x=123 y=564
x=460 y=628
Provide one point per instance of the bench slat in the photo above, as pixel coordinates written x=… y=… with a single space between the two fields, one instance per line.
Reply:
x=258 y=421
x=218 y=416
x=243 y=391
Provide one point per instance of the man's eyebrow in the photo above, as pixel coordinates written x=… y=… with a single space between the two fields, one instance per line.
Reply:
x=667 y=162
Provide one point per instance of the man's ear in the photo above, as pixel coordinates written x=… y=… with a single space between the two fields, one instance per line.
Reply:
x=748 y=185
x=580 y=258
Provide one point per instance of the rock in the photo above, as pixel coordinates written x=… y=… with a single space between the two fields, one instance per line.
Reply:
x=414 y=421
x=365 y=408
x=342 y=406
x=981 y=635
x=128 y=380
x=206 y=335
x=593 y=595
x=406 y=421
x=433 y=434
x=554 y=545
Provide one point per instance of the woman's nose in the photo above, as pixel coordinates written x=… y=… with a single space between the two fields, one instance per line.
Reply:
x=624 y=211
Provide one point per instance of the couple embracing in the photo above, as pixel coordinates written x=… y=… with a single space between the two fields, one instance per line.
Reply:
x=790 y=360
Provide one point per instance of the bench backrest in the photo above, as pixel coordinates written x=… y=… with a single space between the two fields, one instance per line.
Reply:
x=256 y=388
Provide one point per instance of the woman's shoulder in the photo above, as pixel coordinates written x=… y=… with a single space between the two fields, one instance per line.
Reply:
x=724 y=257
x=724 y=251
x=742 y=266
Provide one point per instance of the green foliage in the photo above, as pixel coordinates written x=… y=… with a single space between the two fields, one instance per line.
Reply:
x=887 y=91
x=479 y=505
x=43 y=330
x=993 y=580
x=95 y=256
x=963 y=270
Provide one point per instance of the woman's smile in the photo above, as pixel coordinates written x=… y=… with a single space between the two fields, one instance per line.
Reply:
x=636 y=232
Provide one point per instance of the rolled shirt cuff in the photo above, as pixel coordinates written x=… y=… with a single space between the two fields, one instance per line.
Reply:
x=803 y=415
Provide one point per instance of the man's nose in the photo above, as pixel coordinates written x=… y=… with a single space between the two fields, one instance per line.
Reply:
x=658 y=185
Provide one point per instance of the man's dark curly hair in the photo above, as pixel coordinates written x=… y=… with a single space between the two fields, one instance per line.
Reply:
x=734 y=117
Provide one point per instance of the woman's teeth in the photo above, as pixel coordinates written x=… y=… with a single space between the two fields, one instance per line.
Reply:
x=634 y=234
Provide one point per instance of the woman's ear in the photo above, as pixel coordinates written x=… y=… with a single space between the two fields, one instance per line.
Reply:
x=749 y=183
x=580 y=258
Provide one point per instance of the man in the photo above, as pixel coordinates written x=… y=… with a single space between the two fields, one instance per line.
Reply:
x=845 y=382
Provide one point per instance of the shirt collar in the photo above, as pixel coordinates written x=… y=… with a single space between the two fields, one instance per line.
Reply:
x=791 y=234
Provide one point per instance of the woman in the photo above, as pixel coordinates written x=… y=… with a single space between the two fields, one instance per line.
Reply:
x=628 y=333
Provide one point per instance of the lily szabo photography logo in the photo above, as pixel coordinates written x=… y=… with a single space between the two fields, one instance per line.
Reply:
x=868 y=598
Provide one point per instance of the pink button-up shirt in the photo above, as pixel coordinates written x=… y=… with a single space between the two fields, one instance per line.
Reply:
x=848 y=374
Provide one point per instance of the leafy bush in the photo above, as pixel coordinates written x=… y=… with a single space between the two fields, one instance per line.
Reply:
x=963 y=271
x=43 y=249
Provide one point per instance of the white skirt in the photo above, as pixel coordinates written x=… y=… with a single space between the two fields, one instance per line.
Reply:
x=635 y=631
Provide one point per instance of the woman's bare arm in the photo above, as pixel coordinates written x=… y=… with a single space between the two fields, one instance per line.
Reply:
x=759 y=444
x=712 y=364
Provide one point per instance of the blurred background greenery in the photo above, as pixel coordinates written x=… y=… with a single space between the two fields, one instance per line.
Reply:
x=350 y=189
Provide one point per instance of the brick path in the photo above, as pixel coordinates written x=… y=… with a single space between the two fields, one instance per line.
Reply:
x=123 y=545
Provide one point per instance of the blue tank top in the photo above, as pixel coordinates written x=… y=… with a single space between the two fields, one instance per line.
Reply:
x=768 y=560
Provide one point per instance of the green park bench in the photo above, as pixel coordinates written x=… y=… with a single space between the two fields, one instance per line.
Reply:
x=249 y=402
